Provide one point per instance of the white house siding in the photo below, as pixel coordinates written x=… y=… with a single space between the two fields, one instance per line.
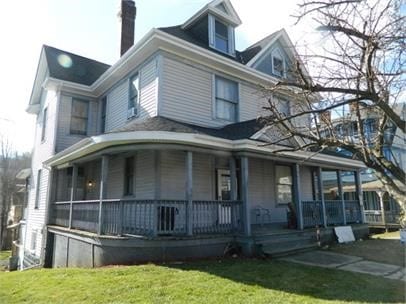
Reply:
x=64 y=138
x=145 y=175
x=117 y=98
x=115 y=178
x=173 y=175
x=42 y=151
x=187 y=95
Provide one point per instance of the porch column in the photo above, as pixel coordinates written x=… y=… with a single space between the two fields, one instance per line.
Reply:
x=321 y=191
x=380 y=195
x=341 y=195
x=189 y=192
x=297 y=195
x=244 y=194
x=233 y=191
x=358 y=184
x=73 y=192
x=103 y=187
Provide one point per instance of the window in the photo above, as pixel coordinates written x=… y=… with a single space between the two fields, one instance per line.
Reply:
x=283 y=176
x=79 y=117
x=129 y=176
x=44 y=123
x=221 y=37
x=133 y=97
x=103 y=115
x=284 y=106
x=226 y=99
x=33 y=240
x=37 y=190
x=278 y=64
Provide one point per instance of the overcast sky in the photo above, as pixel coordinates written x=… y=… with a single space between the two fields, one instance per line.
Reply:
x=91 y=28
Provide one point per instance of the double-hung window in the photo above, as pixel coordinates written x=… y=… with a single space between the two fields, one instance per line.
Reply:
x=44 y=124
x=283 y=175
x=79 y=117
x=133 y=97
x=226 y=99
x=221 y=37
x=38 y=189
x=284 y=106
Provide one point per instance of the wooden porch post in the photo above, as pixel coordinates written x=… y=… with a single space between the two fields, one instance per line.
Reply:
x=341 y=195
x=73 y=192
x=381 y=204
x=103 y=187
x=358 y=184
x=297 y=195
x=233 y=190
x=244 y=193
x=321 y=191
x=189 y=192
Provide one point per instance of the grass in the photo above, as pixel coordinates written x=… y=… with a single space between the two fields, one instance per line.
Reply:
x=382 y=248
x=228 y=281
x=4 y=255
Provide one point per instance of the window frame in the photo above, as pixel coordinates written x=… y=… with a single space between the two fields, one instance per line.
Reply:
x=33 y=245
x=103 y=115
x=44 y=124
x=133 y=106
x=215 y=98
x=220 y=36
x=277 y=184
x=73 y=131
x=277 y=54
x=37 y=189
x=213 y=34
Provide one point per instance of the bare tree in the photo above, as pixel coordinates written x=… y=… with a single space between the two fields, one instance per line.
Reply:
x=10 y=164
x=357 y=74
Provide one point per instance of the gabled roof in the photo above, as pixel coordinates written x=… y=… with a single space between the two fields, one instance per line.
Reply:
x=220 y=8
x=251 y=51
x=235 y=131
x=71 y=67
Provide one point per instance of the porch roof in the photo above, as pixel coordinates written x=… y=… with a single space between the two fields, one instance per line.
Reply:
x=163 y=133
x=235 y=131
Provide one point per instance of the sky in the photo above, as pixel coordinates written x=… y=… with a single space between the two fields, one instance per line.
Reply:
x=91 y=28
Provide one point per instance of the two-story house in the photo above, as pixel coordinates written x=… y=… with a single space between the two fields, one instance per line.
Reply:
x=161 y=155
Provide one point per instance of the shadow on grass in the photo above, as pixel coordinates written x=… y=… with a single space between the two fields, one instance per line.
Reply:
x=319 y=283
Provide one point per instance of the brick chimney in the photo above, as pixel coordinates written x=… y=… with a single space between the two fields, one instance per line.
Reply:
x=127 y=14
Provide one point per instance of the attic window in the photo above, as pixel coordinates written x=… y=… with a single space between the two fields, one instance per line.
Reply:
x=221 y=37
x=278 y=64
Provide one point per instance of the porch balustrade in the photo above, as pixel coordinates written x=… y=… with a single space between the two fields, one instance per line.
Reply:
x=148 y=217
x=375 y=217
x=313 y=212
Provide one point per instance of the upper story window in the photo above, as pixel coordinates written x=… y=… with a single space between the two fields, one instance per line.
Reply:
x=221 y=36
x=79 y=117
x=284 y=107
x=44 y=124
x=278 y=64
x=103 y=114
x=37 y=190
x=133 y=97
x=226 y=99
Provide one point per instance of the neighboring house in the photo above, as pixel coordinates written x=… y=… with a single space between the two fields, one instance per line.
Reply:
x=161 y=155
x=376 y=198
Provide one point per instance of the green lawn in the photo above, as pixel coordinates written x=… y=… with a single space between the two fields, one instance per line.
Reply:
x=229 y=281
x=382 y=248
x=4 y=255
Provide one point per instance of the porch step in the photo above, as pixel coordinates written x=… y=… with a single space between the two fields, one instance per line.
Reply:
x=285 y=243
x=277 y=252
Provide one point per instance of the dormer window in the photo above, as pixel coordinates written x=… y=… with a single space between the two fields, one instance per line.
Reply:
x=221 y=36
x=278 y=63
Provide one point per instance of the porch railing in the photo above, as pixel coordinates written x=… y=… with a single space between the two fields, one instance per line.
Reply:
x=374 y=217
x=313 y=212
x=148 y=217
